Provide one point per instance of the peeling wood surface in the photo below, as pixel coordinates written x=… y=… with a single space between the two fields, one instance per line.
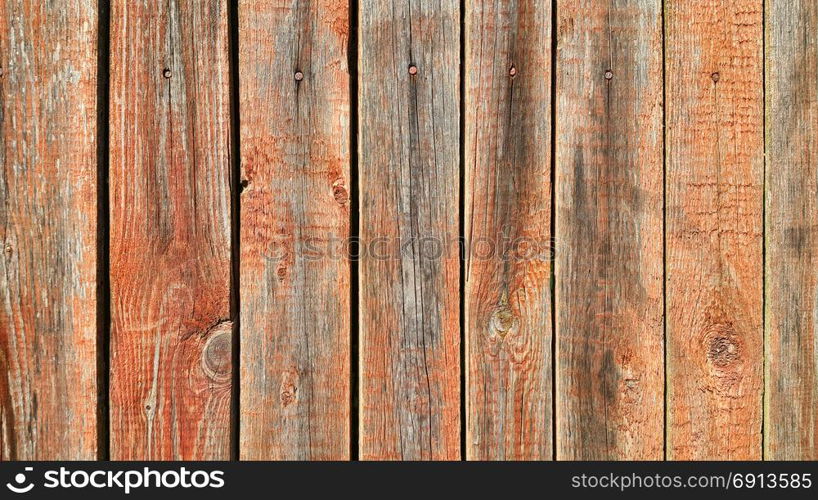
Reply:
x=170 y=386
x=295 y=219
x=715 y=164
x=409 y=287
x=48 y=200
x=508 y=230
x=609 y=268
x=791 y=382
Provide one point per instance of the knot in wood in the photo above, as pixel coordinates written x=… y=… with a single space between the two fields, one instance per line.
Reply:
x=723 y=345
x=217 y=352
x=288 y=395
x=502 y=321
x=288 y=392
x=340 y=193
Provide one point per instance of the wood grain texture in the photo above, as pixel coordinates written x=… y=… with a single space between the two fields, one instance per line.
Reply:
x=170 y=230
x=714 y=228
x=295 y=211
x=609 y=263
x=508 y=229
x=48 y=389
x=791 y=402
x=409 y=270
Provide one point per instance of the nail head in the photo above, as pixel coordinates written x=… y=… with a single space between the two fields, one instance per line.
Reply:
x=299 y=76
x=608 y=74
x=512 y=72
x=716 y=77
x=166 y=73
x=413 y=70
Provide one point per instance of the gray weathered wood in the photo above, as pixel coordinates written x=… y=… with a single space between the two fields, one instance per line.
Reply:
x=508 y=229
x=295 y=215
x=409 y=270
x=48 y=199
x=791 y=415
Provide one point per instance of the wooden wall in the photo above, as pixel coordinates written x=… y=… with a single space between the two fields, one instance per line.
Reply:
x=389 y=230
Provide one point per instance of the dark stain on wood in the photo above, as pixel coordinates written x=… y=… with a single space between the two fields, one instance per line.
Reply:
x=609 y=232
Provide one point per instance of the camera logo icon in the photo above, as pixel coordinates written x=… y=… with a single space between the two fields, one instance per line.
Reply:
x=20 y=480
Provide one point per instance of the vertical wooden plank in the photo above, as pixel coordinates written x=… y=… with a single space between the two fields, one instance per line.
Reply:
x=295 y=279
x=170 y=230
x=409 y=273
x=508 y=229
x=791 y=403
x=48 y=77
x=714 y=228
x=609 y=265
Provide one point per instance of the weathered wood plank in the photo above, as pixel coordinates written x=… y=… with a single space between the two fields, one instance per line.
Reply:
x=508 y=229
x=714 y=228
x=791 y=414
x=48 y=78
x=409 y=270
x=295 y=212
x=609 y=262
x=170 y=230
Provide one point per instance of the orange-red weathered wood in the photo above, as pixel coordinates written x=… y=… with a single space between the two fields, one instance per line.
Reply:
x=170 y=386
x=715 y=163
x=409 y=117
x=508 y=230
x=295 y=219
x=608 y=231
x=48 y=215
